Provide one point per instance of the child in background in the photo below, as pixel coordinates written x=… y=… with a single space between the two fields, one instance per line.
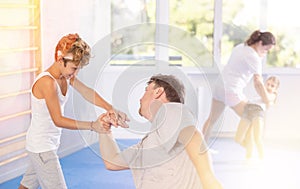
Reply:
x=250 y=129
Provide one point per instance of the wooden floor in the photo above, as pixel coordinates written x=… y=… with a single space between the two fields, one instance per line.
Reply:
x=279 y=170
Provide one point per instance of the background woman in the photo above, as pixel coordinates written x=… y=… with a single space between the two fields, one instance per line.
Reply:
x=244 y=62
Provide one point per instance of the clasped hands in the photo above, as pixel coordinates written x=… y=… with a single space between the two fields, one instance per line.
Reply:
x=114 y=118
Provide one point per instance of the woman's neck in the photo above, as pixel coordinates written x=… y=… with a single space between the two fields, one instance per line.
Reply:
x=254 y=46
x=54 y=71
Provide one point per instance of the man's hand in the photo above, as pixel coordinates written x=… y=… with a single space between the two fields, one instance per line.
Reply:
x=118 y=118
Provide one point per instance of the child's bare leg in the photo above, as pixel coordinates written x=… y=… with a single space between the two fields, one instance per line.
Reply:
x=249 y=142
x=258 y=124
x=242 y=131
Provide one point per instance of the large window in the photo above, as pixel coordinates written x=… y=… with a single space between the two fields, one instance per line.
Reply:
x=281 y=18
x=234 y=20
x=241 y=20
x=238 y=23
x=196 y=18
x=126 y=15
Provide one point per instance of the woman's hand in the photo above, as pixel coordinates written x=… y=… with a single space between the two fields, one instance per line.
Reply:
x=102 y=124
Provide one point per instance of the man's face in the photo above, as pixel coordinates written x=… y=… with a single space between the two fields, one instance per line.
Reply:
x=146 y=101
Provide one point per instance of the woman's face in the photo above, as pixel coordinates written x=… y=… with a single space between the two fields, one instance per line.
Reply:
x=262 y=50
x=69 y=68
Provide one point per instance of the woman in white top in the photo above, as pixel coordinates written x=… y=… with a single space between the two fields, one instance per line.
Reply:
x=245 y=62
x=49 y=94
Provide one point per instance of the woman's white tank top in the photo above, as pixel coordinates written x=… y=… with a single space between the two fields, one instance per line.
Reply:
x=42 y=134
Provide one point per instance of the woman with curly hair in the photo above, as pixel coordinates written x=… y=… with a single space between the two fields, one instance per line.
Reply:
x=49 y=94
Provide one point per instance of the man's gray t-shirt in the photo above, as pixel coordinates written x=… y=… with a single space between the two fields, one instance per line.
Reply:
x=159 y=160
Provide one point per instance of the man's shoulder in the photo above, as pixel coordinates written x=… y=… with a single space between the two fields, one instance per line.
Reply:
x=172 y=105
x=176 y=111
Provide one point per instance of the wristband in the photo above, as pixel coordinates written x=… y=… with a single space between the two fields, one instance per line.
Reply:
x=91 y=125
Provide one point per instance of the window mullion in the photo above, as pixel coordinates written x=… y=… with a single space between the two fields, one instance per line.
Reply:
x=217 y=33
x=161 y=33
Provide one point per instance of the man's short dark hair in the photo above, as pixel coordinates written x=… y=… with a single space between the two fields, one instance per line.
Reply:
x=173 y=88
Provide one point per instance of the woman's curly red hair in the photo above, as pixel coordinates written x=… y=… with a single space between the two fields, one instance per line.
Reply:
x=73 y=44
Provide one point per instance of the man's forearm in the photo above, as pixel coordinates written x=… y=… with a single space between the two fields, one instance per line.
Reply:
x=110 y=153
